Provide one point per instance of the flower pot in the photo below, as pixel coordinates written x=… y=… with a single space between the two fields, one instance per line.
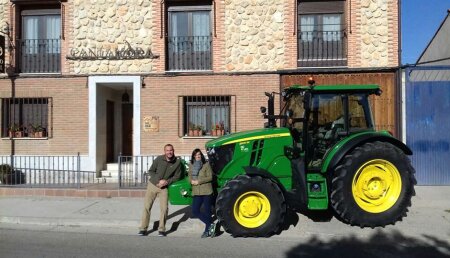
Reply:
x=38 y=134
x=213 y=133
x=191 y=133
x=18 y=134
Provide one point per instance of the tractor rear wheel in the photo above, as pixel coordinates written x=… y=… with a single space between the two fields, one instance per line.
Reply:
x=251 y=207
x=373 y=185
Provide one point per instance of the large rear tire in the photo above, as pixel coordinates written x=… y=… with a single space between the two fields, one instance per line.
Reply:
x=373 y=185
x=251 y=207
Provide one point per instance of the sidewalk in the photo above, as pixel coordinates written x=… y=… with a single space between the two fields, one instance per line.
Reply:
x=119 y=212
x=431 y=207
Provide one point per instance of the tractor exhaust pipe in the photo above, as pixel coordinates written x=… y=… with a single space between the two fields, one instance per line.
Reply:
x=271 y=110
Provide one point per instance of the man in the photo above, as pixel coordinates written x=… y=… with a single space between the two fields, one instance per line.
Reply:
x=165 y=170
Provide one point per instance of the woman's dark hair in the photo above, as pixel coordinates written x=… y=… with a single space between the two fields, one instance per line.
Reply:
x=193 y=156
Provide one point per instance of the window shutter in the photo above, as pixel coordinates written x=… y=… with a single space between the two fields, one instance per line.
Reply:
x=311 y=7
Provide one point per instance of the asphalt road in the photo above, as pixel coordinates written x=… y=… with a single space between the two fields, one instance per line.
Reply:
x=425 y=232
x=34 y=241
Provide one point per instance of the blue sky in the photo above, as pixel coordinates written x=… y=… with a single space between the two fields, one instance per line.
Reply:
x=420 y=21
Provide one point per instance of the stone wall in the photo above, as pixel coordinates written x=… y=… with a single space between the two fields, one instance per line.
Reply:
x=107 y=24
x=254 y=35
x=374 y=35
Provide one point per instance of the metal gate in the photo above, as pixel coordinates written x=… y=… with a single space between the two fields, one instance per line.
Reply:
x=427 y=108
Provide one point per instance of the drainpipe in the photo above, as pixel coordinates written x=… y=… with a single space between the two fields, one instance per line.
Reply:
x=398 y=79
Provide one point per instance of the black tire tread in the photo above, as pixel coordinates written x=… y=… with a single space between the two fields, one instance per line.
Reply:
x=351 y=213
x=225 y=197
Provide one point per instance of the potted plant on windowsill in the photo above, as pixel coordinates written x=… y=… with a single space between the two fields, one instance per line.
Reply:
x=213 y=130
x=192 y=127
x=37 y=131
x=222 y=128
x=199 y=131
x=15 y=131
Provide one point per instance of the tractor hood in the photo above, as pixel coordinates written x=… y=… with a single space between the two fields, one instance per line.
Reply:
x=248 y=136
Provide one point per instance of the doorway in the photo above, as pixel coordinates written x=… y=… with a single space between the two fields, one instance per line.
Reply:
x=109 y=131
x=127 y=129
x=101 y=89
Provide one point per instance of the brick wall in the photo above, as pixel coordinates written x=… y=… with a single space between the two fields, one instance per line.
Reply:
x=70 y=115
x=353 y=18
x=160 y=97
x=393 y=53
x=290 y=35
x=158 y=35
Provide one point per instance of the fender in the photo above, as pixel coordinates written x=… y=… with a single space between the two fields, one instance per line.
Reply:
x=296 y=199
x=357 y=141
x=263 y=173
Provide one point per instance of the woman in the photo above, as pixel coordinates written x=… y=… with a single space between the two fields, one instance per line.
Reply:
x=200 y=175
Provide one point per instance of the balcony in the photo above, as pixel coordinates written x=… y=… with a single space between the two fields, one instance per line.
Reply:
x=322 y=48
x=39 y=55
x=189 y=53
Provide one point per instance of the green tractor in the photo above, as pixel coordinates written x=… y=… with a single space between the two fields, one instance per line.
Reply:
x=325 y=156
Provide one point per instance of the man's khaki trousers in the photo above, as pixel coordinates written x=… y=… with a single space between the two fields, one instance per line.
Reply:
x=150 y=196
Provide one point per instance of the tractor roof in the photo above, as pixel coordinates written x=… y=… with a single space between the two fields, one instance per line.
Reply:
x=336 y=88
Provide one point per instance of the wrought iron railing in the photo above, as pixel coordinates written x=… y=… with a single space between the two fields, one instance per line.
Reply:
x=322 y=48
x=133 y=170
x=39 y=55
x=44 y=171
x=189 y=53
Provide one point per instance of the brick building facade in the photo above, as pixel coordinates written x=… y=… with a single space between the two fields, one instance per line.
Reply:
x=69 y=66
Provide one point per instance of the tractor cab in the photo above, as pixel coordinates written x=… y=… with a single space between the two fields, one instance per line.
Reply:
x=321 y=116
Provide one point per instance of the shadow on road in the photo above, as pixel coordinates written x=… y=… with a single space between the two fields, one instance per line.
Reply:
x=187 y=213
x=378 y=245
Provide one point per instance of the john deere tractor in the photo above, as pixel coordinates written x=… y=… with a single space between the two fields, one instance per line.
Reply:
x=325 y=154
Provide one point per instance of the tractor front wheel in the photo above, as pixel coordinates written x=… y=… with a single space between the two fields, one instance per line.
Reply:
x=373 y=185
x=251 y=207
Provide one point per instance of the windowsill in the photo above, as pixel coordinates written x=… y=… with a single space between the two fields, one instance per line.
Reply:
x=200 y=137
x=32 y=74
x=25 y=138
x=189 y=71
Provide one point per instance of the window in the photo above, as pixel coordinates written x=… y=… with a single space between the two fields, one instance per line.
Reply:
x=321 y=33
x=40 y=46
x=25 y=117
x=328 y=125
x=206 y=115
x=189 y=38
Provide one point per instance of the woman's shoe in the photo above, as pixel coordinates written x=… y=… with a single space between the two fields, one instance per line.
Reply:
x=212 y=230
x=205 y=234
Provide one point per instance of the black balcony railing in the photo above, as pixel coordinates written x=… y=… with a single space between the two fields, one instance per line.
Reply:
x=322 y=48
x=189 y=53
x=39 y=55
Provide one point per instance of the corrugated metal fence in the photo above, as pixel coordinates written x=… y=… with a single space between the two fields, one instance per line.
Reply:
x=427 y=107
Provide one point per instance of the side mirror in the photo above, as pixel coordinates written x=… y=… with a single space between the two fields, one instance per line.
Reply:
x=263 y=109
x=289 y=113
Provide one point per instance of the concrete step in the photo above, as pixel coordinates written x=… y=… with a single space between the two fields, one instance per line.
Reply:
x=112 y=166
x=110 y=173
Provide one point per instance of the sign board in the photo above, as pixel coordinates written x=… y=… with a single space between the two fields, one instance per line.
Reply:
x=151 y=124
x=125 y=53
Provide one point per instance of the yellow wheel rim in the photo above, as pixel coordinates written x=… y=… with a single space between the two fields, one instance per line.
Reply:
x=376 y=186
x=252 y=209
